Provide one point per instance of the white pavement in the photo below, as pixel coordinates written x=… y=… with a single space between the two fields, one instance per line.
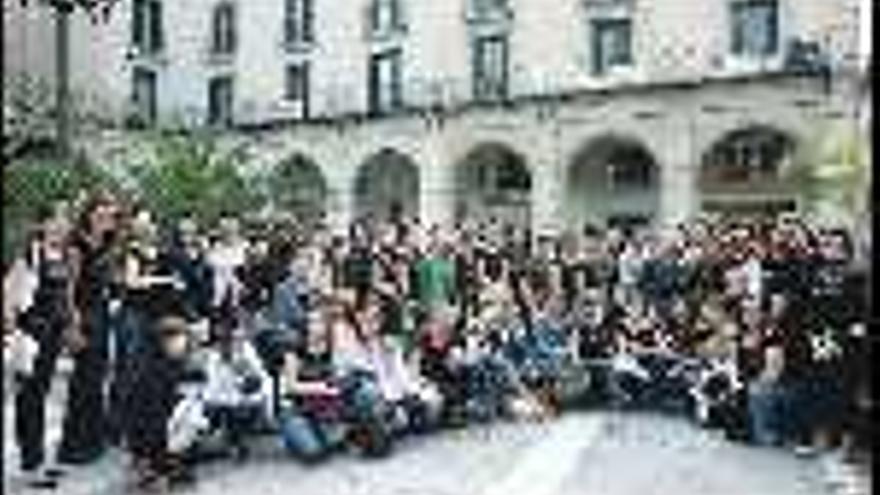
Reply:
x=583 y=453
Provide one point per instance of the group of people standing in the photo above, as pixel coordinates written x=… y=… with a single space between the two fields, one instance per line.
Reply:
x=353 y=342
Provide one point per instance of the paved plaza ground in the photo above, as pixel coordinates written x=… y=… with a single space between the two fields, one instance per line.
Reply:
x=582 y=453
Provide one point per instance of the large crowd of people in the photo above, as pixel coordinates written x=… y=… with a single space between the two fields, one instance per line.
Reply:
x=187 y=342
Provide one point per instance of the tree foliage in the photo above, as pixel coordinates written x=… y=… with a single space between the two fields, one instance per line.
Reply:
x=191 y=176
x=33 y=186
x=831 y=168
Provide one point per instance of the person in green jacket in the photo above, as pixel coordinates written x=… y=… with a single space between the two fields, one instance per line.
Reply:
x=435 y=277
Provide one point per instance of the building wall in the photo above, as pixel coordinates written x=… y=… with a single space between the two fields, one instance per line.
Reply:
x=549 y=50
x=676 y=124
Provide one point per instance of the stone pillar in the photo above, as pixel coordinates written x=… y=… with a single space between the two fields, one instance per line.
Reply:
x=548 y=197
x=340 y=207
x=548 y=185
x=436 y=182
x=679 y=173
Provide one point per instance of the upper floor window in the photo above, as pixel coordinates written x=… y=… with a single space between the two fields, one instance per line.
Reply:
x=144 y=95
x=385 y=82
x=755 y=27
x=299 y=16
x=612 y=44
x=146 y=26
x=220 y=101
x=488 y=9
x=296 y=87
x=223 y=29
x=490 y=68
x=385 y=16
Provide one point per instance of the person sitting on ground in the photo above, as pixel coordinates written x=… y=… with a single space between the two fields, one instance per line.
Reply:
x=238 y=390
x=311 y=417
x=151 y=404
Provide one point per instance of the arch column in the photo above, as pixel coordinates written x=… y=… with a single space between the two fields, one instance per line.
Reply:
x=437 y=199
x=548 y=190
x=679 y=171
x=340 y=208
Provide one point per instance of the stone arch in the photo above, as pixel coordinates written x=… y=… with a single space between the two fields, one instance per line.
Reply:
x=744 y=170
x=612 y=178
x=493 y=181
x=297 y=185
x=387 y=183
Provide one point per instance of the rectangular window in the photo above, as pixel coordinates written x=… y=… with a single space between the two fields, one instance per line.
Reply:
x=223 y=29
x=612 y=44
x=296 y=88
x=299 y=21
x=485 y=9
x=755 y=28
x=144 y=95
x=385 y=82
x=385 y=16
x=146 y=29
x=490 y=68
x=220 y=101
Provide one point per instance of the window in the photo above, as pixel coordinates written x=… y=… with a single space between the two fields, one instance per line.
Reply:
x=487 y=9
x=220 y=100
x=146 y=29
x=385 y=16
x=384 y=84
x=748 y=155
x=223 y=34
x=296 y=87
x=755 y=27
x=612 y=44
x=490 y=68
x=144 y=95
x=298 y=21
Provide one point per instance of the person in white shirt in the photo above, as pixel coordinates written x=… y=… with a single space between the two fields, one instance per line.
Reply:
x=226 y=257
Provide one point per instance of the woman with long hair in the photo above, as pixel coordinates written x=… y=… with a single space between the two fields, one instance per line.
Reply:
x=45 y=320
x=83 y=435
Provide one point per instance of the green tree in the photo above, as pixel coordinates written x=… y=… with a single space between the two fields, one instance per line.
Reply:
x=33 y=186
x=191 y=175
x=831 y=170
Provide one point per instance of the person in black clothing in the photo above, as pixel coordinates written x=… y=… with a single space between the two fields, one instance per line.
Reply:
x=146 y=285
x=159 y=372
x=46 y=319
x=185 y=258
x=83 y=430
x=359 y=265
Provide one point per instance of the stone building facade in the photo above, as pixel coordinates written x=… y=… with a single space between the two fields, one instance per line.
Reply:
x=549 y=114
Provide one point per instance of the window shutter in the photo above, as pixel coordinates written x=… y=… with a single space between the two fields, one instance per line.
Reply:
x=233 y=28
x=597 y=55
x=505 y=68
x=137 y=23
x=375 y=16
x=373 y=85
x=308 y=20
x=737 y=27
x=477 y=68
x=156 y=31
x=216 y=27
x=772 y=28
x=289 y=21
x=396 y=82
x=306 y=69
x=394 y=5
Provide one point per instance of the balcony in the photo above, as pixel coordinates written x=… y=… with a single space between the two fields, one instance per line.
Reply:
x=492 y=12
